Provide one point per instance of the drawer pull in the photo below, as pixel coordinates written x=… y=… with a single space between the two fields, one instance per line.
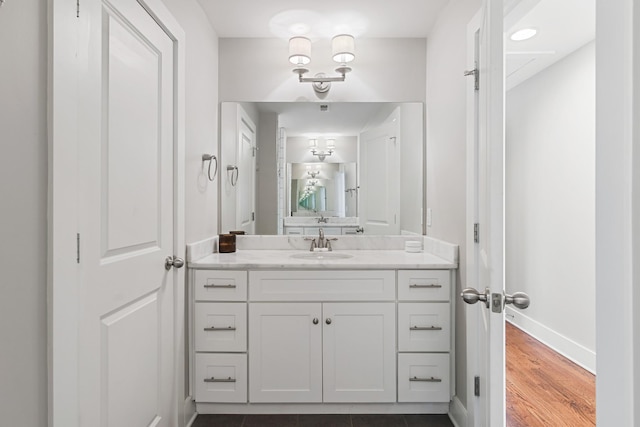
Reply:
x=426 y=328
x=220 y=286
x=430 y=286
x=426 y=380
x=213 y=328
x=219 y=380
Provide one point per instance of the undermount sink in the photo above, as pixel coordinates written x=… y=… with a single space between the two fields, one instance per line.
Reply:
x=320 y=256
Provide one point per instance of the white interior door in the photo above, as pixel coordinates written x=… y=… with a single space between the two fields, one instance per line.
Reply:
x=379 y=192
x=126 y=369
x=485 y=207
x=246 y=178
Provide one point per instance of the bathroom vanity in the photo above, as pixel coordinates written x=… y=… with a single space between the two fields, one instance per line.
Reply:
x=287 y=330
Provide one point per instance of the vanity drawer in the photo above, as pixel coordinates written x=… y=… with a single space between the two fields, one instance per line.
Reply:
x=424 y=377
x=221 y=326
x=426 y=285
x=220 y=285
x=322 y=285
x=221 y=378
x=424 y=326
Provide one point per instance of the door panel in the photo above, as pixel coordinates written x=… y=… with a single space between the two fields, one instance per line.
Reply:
x=126 y=219
x=359 y=356
x=285 y=352
x=485 y=207
x=380 y=180
x=246 y=176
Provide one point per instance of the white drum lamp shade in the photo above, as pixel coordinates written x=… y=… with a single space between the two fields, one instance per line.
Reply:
x=299 y=50
x=343 y=48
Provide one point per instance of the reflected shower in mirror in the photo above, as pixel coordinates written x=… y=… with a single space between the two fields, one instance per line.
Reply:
x=340 y=166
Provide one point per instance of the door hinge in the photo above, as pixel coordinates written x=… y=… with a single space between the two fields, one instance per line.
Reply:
x=476 y=233
x=77 y=8
x=78 y=248
x=476 y=77
x=476 y=386
x=394 y=139
x=253 y=216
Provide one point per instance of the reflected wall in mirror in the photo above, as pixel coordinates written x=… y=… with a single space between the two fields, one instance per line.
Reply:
x=342 y=166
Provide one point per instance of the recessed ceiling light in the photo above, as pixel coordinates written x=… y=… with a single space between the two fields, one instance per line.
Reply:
x=524 y=34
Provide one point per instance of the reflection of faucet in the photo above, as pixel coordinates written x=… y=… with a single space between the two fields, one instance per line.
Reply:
x=322 y=219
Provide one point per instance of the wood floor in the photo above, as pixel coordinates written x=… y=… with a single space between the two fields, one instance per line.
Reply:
x=543 y=387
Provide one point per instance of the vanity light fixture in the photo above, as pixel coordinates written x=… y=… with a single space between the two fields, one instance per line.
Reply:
x=343 y=52
x=322 y=154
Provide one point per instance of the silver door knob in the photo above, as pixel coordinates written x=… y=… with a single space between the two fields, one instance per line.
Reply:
x=328 y=321
x=173 y=261
x=519 y=300
x=315 y=321
x=472 y=296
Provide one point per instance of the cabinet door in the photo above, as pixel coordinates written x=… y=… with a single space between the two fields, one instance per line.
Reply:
x=359 y=352
x=285 y=352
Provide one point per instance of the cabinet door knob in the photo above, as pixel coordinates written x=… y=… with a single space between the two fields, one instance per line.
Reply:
x=315 y=321
x=328 y=321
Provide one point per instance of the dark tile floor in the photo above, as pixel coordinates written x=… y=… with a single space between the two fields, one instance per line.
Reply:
x=337 y=420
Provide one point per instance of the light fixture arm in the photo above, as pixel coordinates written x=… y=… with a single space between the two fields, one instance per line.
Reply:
x=317 y=79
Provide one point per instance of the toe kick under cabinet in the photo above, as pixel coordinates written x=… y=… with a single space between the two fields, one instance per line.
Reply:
x=321 y=337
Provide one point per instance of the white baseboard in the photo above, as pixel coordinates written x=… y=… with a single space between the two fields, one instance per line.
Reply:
x=189 y=411
x=457 y=413
x=570 y=349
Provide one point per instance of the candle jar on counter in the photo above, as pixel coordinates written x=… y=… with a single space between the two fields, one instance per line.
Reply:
x=226 y=243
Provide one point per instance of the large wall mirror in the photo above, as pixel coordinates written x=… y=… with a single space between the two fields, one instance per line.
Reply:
x=350 y=168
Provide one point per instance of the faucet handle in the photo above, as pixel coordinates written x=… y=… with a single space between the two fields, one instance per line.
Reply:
x=328 y=242
x=313 y=243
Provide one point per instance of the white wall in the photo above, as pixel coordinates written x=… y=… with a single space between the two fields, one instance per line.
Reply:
x=384 y=70
x=550 y=204
x=23 y=229
x=201 y=195
x=446 y=149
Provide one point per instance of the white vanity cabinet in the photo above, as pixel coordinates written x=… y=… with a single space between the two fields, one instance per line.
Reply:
x=322 y=352
x=322 y=337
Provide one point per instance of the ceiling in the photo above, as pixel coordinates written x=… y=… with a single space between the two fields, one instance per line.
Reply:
x=285 y=18
x=307 y=118
x=563 y=26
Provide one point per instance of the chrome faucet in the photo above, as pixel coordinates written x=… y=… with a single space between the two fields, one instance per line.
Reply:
x=321 y=241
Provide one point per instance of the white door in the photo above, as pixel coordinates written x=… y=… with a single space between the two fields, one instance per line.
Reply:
x=246 y=176
x=485 y=124
x=126 y=369
x=359 y=354
x=285 y=352
x=379 y=192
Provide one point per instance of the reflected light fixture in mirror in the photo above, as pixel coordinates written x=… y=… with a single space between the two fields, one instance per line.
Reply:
x=322 y=154
x=343 y=52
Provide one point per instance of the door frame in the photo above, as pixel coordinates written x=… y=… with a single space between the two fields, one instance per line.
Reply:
x=63 y=287
x=617 y=212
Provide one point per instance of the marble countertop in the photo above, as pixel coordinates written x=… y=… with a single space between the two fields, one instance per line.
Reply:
x=361 y=259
